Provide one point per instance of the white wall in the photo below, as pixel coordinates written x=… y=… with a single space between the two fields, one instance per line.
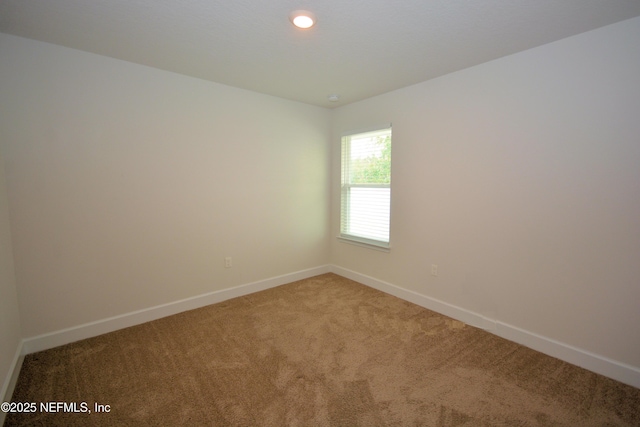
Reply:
x=129 y=185
x=520 y=178
x=10 y=335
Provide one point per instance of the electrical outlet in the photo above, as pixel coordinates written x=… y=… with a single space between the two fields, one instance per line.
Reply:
x=434 y=269
x=227 y=262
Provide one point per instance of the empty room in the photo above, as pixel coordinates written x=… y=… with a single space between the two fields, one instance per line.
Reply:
x=387 y=213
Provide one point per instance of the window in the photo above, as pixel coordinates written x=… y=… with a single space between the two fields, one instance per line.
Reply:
x=366 y=188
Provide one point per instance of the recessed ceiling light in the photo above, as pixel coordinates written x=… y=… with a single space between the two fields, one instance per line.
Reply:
x=302 y=18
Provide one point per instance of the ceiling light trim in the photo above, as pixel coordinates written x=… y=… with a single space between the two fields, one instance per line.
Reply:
x=303 y=19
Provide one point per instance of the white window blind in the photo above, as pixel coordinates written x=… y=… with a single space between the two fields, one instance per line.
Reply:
x=366 y=187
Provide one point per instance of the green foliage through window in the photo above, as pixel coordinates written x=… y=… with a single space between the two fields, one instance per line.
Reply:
x=375 y=167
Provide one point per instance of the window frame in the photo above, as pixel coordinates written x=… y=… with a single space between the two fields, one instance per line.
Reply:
x=345 y=192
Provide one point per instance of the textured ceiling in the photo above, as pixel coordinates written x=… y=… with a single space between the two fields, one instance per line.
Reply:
x=358 y=49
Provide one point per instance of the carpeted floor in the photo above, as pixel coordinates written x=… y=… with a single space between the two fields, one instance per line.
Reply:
x=324 y=351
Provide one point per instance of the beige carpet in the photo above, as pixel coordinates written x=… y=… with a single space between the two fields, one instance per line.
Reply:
x=324 y=351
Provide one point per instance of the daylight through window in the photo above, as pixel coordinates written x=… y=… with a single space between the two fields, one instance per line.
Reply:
x=366 y=187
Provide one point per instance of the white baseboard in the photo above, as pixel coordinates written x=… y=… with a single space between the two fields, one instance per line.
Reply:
x=92 y=329
x=438 y=306
x=593 y=362
x=602 y=365
x=12 y=378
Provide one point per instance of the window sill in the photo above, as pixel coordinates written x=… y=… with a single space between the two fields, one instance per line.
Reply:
x=365 y=244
